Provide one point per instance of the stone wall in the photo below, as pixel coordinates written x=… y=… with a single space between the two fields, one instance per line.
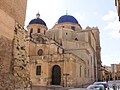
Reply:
x=15 y=9
x=6 y=77
x=20 y=66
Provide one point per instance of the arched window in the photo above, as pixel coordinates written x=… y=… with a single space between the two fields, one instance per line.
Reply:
x=31 y=31
x=44 y=31
x=38 y=30
x=38 y=70
x=40 y=52
x=63 y=26
x=73 y=28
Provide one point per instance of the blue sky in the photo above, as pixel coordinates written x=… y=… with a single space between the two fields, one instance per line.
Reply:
x=101 y=13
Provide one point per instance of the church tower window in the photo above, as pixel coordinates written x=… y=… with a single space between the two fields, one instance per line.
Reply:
x=44 y=31
x=73 y=28
x=38 y=70
x=31 y=31
x=38 y=30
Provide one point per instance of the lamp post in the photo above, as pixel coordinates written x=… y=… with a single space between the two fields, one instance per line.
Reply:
x=113 y=72
x=66 y=74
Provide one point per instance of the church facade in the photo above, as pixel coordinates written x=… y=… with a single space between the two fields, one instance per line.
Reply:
x=65 y=55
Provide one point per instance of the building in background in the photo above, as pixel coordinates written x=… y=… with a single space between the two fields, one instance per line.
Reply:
x=106 y=73
x=117 y=4
x=65 y=55
x=113 y=71
x=116 y=71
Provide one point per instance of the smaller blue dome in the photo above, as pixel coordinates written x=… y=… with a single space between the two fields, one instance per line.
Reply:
x=67 y=18
x=37 y=21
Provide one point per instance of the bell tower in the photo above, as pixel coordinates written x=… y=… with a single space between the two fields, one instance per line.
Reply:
x=37 y=26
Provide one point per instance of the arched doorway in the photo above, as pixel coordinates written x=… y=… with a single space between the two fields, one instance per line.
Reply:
x=56 y=75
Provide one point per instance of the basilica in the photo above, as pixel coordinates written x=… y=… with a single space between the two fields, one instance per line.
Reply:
x=65 y=55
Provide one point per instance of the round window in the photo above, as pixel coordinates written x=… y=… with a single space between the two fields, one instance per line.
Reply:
x=40 y=52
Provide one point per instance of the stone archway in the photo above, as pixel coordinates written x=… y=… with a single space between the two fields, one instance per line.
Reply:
x=56 y=75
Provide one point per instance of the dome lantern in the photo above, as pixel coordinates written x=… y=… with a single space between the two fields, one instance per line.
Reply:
x=38 y=15
x=37 y=20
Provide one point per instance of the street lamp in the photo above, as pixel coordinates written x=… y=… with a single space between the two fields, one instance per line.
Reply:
x=66 y=74
x=113 y=72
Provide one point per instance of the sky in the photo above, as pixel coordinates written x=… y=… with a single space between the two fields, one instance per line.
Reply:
x=101 y=13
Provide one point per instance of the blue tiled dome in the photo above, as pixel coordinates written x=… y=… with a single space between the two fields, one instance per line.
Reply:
x=67 y=18
x=37 y=21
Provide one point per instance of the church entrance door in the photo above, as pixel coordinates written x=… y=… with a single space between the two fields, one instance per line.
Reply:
x=56 y=75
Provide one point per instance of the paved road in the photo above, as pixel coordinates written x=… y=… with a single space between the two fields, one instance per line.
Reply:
x=117 y=84
x=110 y=84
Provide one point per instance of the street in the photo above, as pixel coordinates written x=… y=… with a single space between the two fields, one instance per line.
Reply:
x=116 y=82
x=110 y=84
